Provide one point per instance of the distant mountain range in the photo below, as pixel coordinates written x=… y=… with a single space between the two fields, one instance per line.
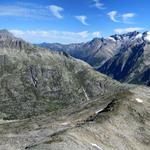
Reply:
x=124 y=57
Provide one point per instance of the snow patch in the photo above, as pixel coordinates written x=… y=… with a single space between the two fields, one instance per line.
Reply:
x=110 y=38
x=139 y=36
x=148 y=33
x=139 y=100
x=97 y=112
x=86 y=95
x=96 y=146
x=147 y=37
x=6 y=121
x=65 y=123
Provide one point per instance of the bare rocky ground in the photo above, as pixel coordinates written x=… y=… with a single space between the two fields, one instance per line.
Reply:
x=123 y=124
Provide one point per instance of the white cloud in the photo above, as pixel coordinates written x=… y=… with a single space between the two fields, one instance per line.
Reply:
x=52 y=36
x=127 y=16
x=124 y=17
x=40 y=32
x=82 y=34
x=17 y=32
x=128 y=30
x=15 y=11
x=20 y=10
x=56 y=11
x=98 y=4
x=82 y=19
x=33 y=33
x=96 y=34
x=112 y=16
x=68 y=33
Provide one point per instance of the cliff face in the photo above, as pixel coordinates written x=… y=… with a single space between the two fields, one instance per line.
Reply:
x=130 y=66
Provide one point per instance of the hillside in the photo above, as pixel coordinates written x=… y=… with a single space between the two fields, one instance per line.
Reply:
x=35 y=81
x=122 y=124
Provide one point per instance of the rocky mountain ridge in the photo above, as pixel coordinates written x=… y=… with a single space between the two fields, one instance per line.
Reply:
x=132 y=64
x=34 y=80
x=97 y=51
x=124 y=57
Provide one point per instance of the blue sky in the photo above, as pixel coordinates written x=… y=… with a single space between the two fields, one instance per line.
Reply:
x=71 y=21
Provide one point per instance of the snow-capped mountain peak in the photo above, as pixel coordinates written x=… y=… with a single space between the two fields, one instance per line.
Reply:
x=139 y=36
x=147 y=36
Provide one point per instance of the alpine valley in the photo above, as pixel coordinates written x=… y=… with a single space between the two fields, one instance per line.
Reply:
x=123 y=57
x=50 y=100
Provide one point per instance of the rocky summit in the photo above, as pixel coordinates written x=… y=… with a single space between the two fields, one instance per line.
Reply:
x=52 y=101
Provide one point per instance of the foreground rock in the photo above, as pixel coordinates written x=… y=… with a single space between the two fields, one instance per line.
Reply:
x=122 y=124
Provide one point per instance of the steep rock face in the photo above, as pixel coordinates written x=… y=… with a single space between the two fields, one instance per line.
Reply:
x=131 y=65
x=4 y=34
x=9 y=42
x=34 y=81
